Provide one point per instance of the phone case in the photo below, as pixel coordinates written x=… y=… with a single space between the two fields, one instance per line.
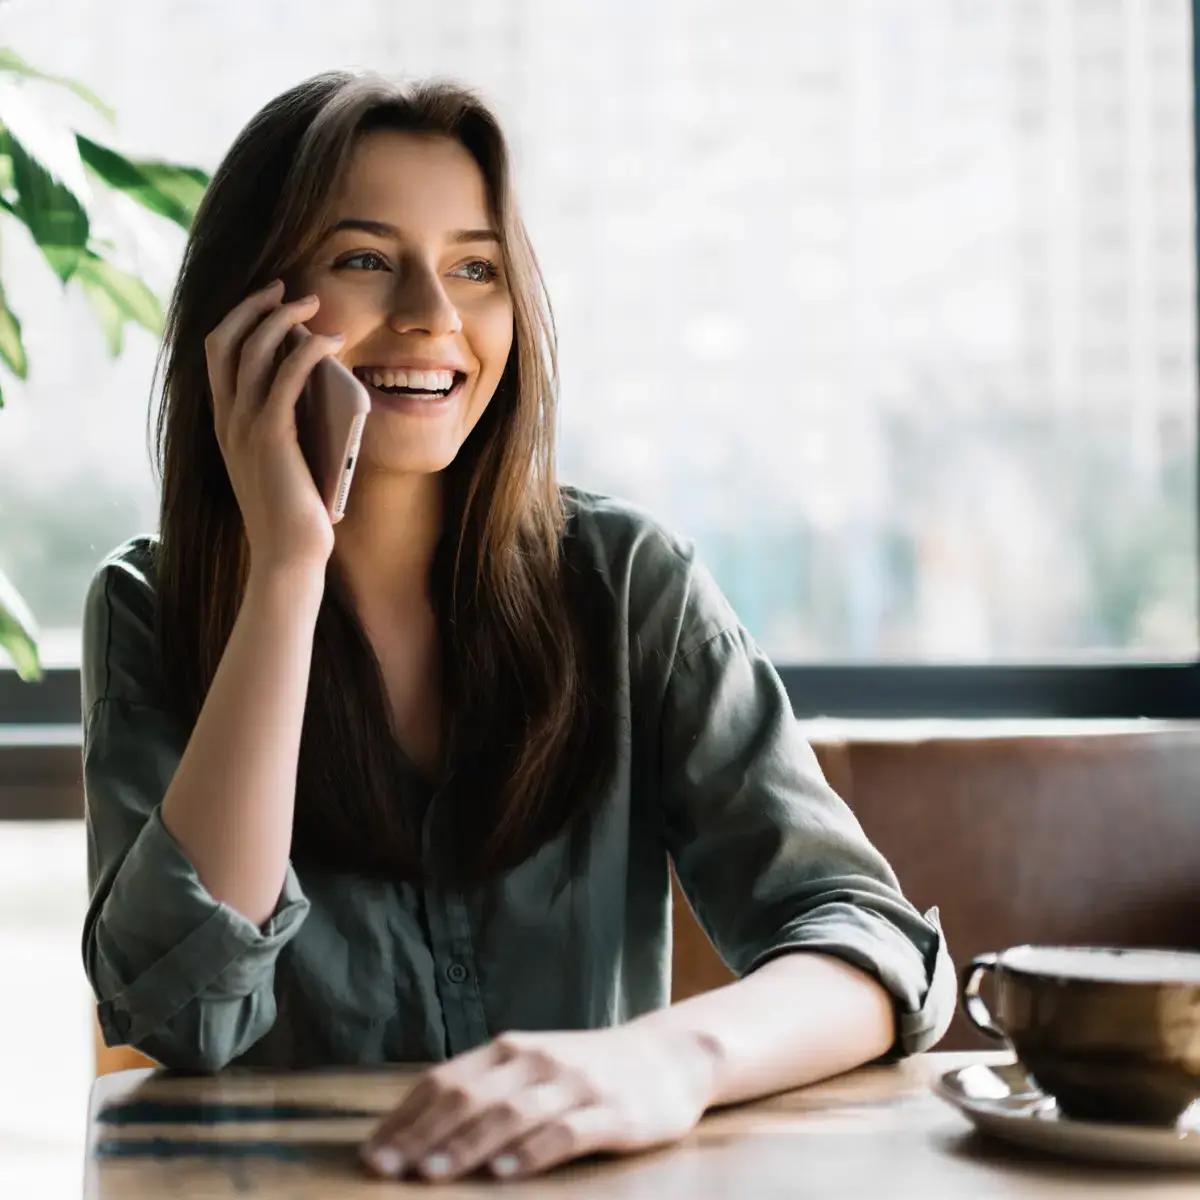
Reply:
x=330 y=418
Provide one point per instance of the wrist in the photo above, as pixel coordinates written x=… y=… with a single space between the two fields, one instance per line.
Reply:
x=699 y=1056
x=291 y=587
x=706 y=1061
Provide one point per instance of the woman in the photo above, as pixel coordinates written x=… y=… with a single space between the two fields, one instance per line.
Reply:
x=410 y=792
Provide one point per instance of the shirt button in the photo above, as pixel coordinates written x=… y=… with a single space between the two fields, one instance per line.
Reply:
x=456 y=973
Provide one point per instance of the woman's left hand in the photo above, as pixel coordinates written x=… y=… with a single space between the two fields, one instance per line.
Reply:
x=526 y=1102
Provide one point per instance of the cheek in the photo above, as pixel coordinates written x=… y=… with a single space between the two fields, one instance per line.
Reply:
x=337 y=315
x=492 y=337
x=345 y=308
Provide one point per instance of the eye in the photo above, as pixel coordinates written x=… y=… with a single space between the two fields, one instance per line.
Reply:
x=478 y=270
x=364 y=260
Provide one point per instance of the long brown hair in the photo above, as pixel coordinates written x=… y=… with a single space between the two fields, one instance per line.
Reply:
x=526 y=658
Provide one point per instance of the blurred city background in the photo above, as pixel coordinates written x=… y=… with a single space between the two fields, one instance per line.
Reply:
x=888 y=304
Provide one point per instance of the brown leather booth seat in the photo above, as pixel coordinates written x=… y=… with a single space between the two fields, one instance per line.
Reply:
x=1084 y=838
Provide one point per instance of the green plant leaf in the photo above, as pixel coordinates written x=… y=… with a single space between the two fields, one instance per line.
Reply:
x=48 y=187
x=12 y=349
x=48 y=141
x=106 y=310
x=11 y=63
x=56 y=220
x=186 y=185
x=164 y=188
x=131 y=297
x=18 y=632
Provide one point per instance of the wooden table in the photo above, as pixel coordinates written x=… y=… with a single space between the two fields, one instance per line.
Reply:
x=874 y=1134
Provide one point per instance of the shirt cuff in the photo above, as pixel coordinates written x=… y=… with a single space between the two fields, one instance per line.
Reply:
x=921 y=981
x=924 y=1027
x=166 y=942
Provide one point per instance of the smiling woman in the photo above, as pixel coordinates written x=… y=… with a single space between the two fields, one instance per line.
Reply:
x=379 y=257
x=411 y=789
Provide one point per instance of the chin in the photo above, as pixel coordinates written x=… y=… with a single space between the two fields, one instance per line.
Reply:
x=414 y=460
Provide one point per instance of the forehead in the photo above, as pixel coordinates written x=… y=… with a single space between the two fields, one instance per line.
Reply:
x=423 y=184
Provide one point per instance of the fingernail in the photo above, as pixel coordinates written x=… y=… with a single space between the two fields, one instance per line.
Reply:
x=336 y=337
x=506 y=1164
x=385 y=1160
x=437 y=1164
x=273 y=285
x=307 y=299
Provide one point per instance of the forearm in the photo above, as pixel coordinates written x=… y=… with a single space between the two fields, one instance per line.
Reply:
x=800 y=1018
x=230 y=803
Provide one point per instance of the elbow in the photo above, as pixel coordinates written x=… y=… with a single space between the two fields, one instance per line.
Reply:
x=179 y=1044
x=192 y=1056
x=195 y=1001
x=205 y=1038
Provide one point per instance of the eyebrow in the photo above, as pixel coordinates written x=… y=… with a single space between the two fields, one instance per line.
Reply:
x=383 y=230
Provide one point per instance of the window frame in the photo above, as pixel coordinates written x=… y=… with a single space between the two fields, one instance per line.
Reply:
x=1157 y=690
x=849 y=691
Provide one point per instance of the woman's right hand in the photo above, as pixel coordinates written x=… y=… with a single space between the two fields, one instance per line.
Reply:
x=254 y=411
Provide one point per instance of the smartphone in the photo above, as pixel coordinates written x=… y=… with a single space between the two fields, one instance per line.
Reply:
x=330 y=417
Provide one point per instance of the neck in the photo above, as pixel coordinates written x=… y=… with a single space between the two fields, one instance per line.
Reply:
x=386 y=541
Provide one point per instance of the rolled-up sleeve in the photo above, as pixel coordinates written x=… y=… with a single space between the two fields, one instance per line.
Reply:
x=770 y=858
x=182 y=977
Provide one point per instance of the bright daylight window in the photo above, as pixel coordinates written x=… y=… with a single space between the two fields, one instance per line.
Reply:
x=889 y=305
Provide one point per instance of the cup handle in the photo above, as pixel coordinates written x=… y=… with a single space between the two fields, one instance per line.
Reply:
x=972 y=1002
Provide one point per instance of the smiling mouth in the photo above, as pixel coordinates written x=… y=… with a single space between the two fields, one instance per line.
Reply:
x=431 y=385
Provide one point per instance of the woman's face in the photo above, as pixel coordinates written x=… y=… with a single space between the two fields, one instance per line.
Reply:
x=410 y=271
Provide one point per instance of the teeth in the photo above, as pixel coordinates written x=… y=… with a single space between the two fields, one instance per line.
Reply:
x=424 y=381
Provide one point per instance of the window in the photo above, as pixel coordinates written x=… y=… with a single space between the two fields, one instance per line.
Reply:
x=890 y=307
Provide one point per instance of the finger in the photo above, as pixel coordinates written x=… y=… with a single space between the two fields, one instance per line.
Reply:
x=451 y=1105
x=293 y=371
x=570 y=1135
x=222 y=345
x=500 y=1124
x=260 y=352
x=427 y=1088
x=404 y=1140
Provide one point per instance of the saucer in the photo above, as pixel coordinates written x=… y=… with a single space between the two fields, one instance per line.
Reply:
x=1003 y=1101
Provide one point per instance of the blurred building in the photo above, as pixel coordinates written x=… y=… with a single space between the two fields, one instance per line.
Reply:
x=888 y=303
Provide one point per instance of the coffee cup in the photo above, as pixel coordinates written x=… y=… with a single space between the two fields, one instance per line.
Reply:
x=1111 y=1034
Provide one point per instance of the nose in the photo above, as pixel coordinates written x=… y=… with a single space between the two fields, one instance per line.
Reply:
x=420 y=304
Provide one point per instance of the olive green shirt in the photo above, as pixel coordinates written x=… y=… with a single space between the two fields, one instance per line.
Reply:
x=713 y=775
